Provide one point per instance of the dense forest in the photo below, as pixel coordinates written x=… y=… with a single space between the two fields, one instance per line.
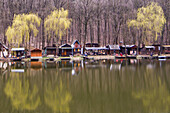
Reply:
x=100 y=21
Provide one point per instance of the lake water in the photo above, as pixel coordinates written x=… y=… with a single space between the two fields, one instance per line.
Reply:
x=106 y=86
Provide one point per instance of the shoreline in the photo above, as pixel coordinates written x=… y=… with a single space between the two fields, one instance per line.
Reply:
x=97 y=57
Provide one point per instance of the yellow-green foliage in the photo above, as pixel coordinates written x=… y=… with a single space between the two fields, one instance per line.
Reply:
x=57 y=22
x=21 y=27
x=21 y=95
x=150 y=19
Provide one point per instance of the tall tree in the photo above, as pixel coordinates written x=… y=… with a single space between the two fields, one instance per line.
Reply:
x=56 y=24
x=150 y=19
x=22 y=27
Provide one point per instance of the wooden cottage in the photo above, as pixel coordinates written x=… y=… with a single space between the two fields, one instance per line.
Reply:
x=96 y=51
x=36 y=54
x=50 y=51
x=113 y=49
x=18 y=52
x=166 y=49
x=76 y=46
x=148 y=50
x=3 y=50
x=129 y=49
x=65 y=50
x=157 y=48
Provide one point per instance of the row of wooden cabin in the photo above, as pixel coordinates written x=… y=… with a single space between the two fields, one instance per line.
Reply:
x=89 y=49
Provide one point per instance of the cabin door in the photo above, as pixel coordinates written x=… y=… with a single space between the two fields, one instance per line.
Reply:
x=65 y=52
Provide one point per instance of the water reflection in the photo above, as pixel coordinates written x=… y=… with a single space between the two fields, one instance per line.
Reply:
x=22 y=96
x=102 y=86
x=57 y=97
x=155 y=95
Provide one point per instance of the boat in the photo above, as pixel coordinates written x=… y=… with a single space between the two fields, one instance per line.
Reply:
x=161 y=57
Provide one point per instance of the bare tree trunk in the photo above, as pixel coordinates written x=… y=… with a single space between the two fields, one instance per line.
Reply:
x=98 y=30
x=105 y=31
x=91 y=33
x=85 y=31
x=108 y=32
x=79 y=26
x=43 y=37
x=162 y=37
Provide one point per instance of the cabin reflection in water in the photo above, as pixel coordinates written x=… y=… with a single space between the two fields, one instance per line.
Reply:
x=19 y=65
x=49 y=65
x=36 y=65
x=74 y=67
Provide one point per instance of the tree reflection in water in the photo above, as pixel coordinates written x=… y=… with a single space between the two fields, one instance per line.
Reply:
x=57 y=97
x=127 y=87
x=155 y=95
x=22 y=96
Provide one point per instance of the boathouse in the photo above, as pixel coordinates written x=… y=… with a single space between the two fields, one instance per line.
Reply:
x=147 y=50
x=18 y=52
x=3 y=50
x=36 y=54
x=65 y=50
x=129 y=49
x=50 y=51
x=166 y=49
x=157 y=48
x=113 y=49
x=96 y=51
x=76 y=46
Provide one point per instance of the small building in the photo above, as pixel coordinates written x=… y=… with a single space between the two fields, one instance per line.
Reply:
x=96 y=50
x=112 y=49
x=129 y=49
x=36 y=54
x=157 y=48
x=76 y=46
x=3 y=50
x=18 y=52
x=148 y=50
x=50 y=51
x=166 y=49
x=65 y=50
x=92 y=45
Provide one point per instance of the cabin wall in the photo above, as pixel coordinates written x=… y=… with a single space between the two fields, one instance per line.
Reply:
x=51 y=52
x=65 y=52
x=18 y=53
x=76 y=51
x=36 y=54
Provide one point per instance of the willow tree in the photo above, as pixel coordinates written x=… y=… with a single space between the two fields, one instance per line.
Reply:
x=150 y=22
x=23 y=26
x=57 y=23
